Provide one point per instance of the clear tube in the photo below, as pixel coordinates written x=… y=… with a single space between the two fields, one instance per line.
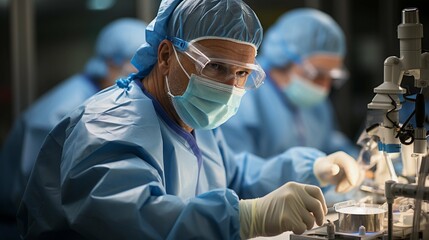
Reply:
x=419 y=196
x=390 y=167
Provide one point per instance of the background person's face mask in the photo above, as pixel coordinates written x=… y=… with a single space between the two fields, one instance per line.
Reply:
x=206 y=104
x=302 y=93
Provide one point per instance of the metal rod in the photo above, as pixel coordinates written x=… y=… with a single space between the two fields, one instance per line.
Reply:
x=389 y=199
x=389 y=221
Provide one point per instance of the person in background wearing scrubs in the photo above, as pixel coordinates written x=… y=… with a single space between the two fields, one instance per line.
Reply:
x=116 y=44
x=144 y=159
x=303 y=56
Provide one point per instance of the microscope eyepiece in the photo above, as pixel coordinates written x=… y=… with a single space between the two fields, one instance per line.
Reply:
x=410 y=15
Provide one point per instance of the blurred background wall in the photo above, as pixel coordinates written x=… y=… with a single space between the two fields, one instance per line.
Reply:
x=43 y=42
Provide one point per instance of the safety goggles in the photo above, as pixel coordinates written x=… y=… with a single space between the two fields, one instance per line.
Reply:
x=245 y=75
x=338 y=75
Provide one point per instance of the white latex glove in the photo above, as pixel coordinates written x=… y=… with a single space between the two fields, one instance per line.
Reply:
x=291 y=207
x=339 y=169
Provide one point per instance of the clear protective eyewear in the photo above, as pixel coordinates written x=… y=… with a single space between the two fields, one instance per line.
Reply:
x=245 y=75
x=338 y=75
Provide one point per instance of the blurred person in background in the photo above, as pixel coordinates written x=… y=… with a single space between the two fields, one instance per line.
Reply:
x=115 y=45
x=303 y=56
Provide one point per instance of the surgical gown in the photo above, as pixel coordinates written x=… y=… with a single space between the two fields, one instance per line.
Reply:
x=119 y=167
x=28 y=133
x=267 y=124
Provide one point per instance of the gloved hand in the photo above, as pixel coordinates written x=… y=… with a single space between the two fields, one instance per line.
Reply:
x=339 y=169
x=291 y=207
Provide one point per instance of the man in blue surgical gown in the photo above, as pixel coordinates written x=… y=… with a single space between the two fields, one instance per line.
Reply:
x=140 y=160
x=302 y=54
x=116 y=44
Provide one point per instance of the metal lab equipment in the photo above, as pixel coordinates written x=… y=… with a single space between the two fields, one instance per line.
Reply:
x=412 y=62
x=353 y=216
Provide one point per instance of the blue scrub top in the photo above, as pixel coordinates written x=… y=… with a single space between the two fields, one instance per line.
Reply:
x=119 y=167
x=267 y=124
x=28 y=133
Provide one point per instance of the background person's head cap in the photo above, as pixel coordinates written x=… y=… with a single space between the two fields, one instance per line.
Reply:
x=117 y=42
x=191 y=19
x=298 y=34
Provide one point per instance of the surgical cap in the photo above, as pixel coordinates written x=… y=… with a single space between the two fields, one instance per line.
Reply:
x=299 y=34
x=191 y=19
x=117 y=41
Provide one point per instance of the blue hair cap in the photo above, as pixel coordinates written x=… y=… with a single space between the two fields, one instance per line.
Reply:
x=117 y=41
x=191 y=19
x=298 y=34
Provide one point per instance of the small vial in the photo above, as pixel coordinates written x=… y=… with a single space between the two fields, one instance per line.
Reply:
x=330 y=230
x=362 y=230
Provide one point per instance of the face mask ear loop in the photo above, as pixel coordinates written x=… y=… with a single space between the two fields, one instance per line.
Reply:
x=183 y=69
x=168 y=87
x=180 y=64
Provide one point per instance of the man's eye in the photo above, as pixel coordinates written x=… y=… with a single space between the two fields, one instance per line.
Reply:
x=242 y=74
x=216 y=68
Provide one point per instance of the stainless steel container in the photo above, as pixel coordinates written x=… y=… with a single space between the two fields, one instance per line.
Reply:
x=352 y=215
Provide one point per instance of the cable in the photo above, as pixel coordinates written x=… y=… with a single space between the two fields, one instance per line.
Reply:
x=405 y=136
x=394 y=108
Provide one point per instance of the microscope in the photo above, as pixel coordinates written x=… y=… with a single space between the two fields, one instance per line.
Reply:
x=386 y=137
x=390 y=133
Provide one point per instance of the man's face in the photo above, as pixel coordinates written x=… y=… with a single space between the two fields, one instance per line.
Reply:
x=212 y=48
x=317 y=71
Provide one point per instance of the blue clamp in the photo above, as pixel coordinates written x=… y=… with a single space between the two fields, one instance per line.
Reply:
x=389 y=148
x=181 y=44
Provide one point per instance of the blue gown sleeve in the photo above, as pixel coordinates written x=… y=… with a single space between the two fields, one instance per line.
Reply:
x=251 y=176
x=339 y=142
x=19 y=154
x=336 y=140
x=10 y=162
x=30 y=130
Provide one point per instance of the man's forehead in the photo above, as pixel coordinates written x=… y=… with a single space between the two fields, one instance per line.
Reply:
x=222 y=48
x=326 y=61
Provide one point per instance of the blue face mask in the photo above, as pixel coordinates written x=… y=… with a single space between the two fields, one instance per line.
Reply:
x=303 y=93
x=206 y=104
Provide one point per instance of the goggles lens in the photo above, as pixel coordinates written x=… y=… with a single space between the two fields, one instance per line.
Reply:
x=245 y=75
x=338 y=75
